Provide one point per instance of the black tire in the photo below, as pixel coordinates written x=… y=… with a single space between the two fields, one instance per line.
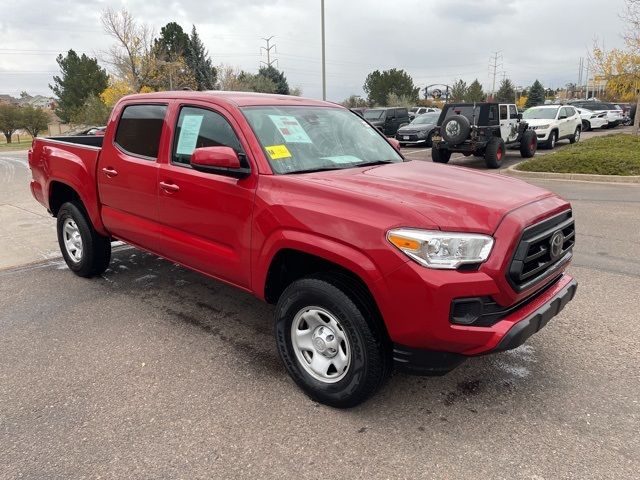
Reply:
x=370 y=358
x=95 y=252
x=528 y=144
x=586 y=125
x=576 y=136
x=440 y=156
x=494 y=152
x=429 y=142
x=553 y=139
x=455 y=130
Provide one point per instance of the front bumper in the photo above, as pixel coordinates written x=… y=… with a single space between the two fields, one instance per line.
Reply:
x=431 y=362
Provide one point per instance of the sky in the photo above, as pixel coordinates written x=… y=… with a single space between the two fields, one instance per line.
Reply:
x=434 y=41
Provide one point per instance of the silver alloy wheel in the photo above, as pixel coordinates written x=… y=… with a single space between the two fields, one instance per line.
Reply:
x=321 y=345
x=553 y=139
x=72 y=239
x=576 y=137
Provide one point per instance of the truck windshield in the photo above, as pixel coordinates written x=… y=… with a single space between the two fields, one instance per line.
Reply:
x=540 y=113
x=374 y=114
x=299 y=139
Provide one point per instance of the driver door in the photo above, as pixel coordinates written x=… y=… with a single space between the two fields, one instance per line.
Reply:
x=505 y=126
x=513 y=123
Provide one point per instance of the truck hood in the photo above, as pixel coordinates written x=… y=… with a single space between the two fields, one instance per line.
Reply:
x=450 y=198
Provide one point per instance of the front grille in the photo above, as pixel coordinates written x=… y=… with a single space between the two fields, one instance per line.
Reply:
x=534 y=258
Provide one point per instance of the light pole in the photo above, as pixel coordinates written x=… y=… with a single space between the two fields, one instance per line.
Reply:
x=324 y=74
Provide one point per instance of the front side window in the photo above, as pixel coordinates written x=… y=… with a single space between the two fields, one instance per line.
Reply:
x=503 y=112
x=513 y=111
x=374 y=114
x=198 y=127
x=297 y=139
x=140 y=129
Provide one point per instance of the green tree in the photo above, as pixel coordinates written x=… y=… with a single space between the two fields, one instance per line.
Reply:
x=277 y=77
x=474 y=92
x=354 y=101
x=34 y=120
x=93 y=112
x=81 y=76
x=507 y=92
x=379 y=85
x=172 y=44
x=9 y=120
x=198 y=60
x=256 y=83
x=458 y=91
x=536 y=95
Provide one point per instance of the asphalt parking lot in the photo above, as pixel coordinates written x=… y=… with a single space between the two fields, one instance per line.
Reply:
x=153 y=371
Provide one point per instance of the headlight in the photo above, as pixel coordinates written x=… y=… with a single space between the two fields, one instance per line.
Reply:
x=443 y=250
x=541 y=127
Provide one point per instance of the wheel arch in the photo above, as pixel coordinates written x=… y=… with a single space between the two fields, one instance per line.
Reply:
x=60 y=192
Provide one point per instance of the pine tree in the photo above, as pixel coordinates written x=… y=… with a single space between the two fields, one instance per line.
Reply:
x=458 y=91
x=474 y=92
x=277 y=77
x=536 y=95
x=81 y=77
x=506 y=93
x=198 y=60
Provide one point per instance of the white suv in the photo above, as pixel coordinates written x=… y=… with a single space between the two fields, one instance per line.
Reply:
x=416 y=111
x=554 y=122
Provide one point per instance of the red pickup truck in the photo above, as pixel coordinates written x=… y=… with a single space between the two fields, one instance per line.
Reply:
x=373 y=261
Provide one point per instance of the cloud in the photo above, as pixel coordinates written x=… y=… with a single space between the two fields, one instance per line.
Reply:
x=434 y=41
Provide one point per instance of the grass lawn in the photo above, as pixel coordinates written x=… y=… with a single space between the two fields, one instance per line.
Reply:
x=24 y=144
x=608 y=155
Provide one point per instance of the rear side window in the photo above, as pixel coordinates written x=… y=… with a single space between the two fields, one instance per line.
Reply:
x=198 y=128
x=140 y=128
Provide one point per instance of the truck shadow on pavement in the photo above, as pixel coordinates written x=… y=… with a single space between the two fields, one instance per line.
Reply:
x=243 y=325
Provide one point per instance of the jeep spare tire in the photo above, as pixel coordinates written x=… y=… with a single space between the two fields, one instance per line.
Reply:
x=455 y=130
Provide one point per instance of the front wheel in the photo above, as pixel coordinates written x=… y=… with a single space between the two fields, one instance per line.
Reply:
x=553 y=138
x=86 y=252
x=528 y=144
x=327 y=345
x=440 y=156
x=576 y=136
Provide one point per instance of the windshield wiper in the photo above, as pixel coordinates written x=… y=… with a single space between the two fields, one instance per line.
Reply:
x=371 y=164
x=311 y=170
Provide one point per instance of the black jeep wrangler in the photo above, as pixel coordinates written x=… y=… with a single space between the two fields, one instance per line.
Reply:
x=484 y=130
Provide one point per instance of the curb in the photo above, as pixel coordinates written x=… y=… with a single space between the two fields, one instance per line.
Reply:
x=583 y=177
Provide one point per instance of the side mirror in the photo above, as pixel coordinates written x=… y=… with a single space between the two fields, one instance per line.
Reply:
x=394 y=143
x=220 y=160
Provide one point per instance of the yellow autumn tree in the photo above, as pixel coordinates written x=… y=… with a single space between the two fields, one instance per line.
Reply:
x=115 y=91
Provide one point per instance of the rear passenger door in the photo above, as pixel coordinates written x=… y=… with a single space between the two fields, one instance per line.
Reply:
x=127 y=173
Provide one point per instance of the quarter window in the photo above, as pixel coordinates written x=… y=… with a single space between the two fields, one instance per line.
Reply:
x=140 y=129
x=198 y=128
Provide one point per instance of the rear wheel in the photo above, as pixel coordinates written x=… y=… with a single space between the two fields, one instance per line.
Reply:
x=528 y=144
x=86 y=252
x=576 y=136
x=494 y=152
x=327 y=344
x=440 y=156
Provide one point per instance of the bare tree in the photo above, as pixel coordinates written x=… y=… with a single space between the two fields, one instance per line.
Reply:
x=131 y=57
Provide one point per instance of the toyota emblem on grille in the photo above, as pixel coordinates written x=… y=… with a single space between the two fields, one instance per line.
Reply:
x=555 y=245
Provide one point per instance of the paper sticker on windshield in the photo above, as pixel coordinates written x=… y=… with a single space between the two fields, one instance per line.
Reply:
x=189 y=131
x=277 y=152
x=290 y=129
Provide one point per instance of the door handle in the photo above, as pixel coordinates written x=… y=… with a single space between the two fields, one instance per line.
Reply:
x=169 y=187
x=110 y=172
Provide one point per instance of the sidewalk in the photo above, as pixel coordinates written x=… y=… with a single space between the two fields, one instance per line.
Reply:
x=27 y=231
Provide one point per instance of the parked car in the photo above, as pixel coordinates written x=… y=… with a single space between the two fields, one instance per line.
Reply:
x=358 y=111
x=554 y=122
x=372 y=261
x=419 y=131
x=482 y=129
x=591 y=119
x=615 y=115
x=416 y=111
x=387 y=119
